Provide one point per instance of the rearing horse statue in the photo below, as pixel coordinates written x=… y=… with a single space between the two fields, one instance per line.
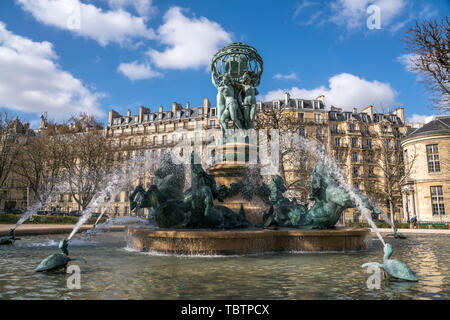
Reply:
x=330 y=202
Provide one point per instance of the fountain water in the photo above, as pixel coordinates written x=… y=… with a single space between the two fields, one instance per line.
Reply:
x=337 y=174
x=32 y=210
x=116 y=183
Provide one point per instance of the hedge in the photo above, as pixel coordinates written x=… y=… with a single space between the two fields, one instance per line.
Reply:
x=13 y=218
x=399 y=225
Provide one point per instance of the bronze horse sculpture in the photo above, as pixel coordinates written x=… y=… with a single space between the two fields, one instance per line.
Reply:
x=195 y=209
x=330 y=202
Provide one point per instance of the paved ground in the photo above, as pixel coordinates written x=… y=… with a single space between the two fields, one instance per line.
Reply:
x=417 y=231
x=36 y=229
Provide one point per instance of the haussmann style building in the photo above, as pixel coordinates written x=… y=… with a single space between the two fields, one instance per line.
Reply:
x=353 y=138
x=427 y=192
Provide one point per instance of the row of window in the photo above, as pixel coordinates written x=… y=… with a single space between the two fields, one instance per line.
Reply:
x=198 y=126
x=159 y=116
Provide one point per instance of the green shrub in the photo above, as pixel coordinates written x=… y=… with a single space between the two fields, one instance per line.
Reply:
x=399 y=225
x=13 y=218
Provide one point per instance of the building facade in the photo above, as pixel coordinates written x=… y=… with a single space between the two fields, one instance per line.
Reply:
x=427 y=192
x=352 y=137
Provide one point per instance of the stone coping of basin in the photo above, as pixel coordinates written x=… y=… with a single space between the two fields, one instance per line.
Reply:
x=43 y=229
x=246 y=241
x=247 y=233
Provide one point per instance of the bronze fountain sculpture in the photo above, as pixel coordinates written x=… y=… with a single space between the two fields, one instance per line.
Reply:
x=236 y=72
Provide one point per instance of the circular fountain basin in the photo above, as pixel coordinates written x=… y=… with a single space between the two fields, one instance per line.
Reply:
x=246 y=241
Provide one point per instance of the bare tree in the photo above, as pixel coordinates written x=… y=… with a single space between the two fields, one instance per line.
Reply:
x=428 y=43
x=393 y=172
x=40 y=164
x=295 y=163
x=86 y=165
x=88 y=157
x=11 y=134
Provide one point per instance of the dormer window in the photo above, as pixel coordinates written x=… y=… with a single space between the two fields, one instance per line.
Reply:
x=146 y=117
x=178 y=114
x=187 y=114
x=160 y=116
x=136 y=119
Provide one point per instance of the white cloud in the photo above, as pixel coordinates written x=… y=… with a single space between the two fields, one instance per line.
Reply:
x=408 y=60
x=299 y=7
x=289 y=76
x=31 y=80
x=137 y=71
x=352 y=13
x=418 y=118
x=344 y=90
x=191 y=42
x=142 y=7
x=428 y=11
x=88 y=21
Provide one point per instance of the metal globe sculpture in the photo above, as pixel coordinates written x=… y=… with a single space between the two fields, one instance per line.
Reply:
x=236 y=71
x=235 y=60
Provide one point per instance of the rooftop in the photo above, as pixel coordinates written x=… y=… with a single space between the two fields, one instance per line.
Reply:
x=438 y=125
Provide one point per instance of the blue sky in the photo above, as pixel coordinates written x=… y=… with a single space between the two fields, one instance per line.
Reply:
x=68 y=56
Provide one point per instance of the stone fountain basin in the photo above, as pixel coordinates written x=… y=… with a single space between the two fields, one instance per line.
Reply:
x=246 y=241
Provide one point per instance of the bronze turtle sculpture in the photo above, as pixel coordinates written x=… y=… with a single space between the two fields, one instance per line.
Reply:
x=9 y=239
x=58 y=260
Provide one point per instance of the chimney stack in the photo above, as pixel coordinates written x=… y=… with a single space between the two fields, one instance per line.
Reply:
x=321 y=98
x=400 y=112
x=176 y=107
x=160 y=109
x=129 y=113
x=287 y=98
x=142 y=111
x=206 y=105
x=369 y=111
x=112 y=114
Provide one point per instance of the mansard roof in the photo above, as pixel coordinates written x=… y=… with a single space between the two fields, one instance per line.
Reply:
x=159 y=116
x=438 y=125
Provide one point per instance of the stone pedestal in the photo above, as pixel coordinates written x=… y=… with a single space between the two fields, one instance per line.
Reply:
x=233 y=159
x=247 y=241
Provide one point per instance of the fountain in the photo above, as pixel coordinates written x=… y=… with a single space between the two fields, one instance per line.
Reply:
x=224 y=211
